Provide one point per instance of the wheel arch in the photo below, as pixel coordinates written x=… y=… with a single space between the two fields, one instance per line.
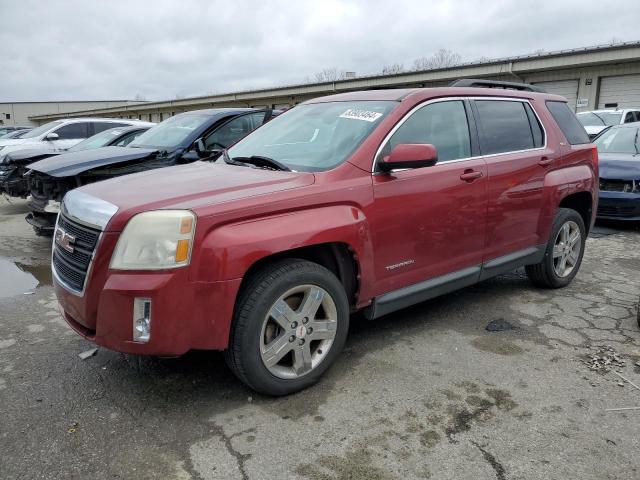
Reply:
x=337 y=257
x=581 y=202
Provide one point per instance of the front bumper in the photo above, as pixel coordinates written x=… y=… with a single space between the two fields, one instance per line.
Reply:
x=12 y=183
x=185 y=315
x=619 y=206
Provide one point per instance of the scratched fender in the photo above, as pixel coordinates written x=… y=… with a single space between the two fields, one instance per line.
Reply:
x=228 y=251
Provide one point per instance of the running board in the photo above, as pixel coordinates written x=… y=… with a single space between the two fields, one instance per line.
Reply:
x=434 y=287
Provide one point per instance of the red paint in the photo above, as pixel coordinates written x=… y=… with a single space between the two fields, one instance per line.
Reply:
x=441 y=218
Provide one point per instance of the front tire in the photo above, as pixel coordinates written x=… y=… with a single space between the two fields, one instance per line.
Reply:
x=290 y=323
x=564 y=252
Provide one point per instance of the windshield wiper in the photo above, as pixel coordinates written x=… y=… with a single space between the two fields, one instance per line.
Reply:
x=232 y=161
x=257 y=161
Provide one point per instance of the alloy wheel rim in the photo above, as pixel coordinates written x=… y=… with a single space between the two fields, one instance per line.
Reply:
x=566 y=249
x=298 y=331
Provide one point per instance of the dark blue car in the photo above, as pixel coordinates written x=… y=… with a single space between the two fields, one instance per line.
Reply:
x=183 y=138
x=619 y=152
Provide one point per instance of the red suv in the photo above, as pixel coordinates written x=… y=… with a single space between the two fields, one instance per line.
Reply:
x=367 y=201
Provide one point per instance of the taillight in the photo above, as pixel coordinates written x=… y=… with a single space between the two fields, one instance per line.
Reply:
x=594 y=156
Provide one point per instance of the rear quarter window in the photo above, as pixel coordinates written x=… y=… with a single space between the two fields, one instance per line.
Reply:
x=573 y=130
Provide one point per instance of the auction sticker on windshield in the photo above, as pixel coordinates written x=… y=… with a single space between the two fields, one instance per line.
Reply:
x=365 y=115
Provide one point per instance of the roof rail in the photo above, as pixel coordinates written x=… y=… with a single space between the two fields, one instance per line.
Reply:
x=474 y=82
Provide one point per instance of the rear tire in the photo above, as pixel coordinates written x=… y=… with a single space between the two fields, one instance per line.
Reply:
x=290 y=323
x=564 y=252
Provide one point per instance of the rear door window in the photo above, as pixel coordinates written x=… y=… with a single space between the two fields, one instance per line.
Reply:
x=505 y=126
x=536 y=128
x=568 y=123
x=442 y=124
x=73 y=131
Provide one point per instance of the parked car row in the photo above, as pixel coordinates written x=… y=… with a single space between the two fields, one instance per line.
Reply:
x=52 y=159
x=365 y=201
x=596 y=121
x=16 y=163
x=19 y=133
x=10 y=129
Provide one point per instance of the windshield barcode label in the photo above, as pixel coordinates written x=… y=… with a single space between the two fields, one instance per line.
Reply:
x=361 y=115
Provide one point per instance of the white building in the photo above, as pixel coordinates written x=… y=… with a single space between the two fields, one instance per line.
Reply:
x=605 y=76
x=20 y=113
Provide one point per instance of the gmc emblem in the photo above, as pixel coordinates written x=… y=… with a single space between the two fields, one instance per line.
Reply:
x=65 y=240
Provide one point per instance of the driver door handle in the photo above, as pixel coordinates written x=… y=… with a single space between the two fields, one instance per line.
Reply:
x=470 y=175
x=545 y=161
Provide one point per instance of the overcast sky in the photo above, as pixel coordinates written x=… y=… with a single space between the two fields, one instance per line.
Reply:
x=91 y=50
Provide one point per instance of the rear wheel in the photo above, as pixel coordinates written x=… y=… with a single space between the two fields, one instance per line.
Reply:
x=290 y=323
x=563 y=255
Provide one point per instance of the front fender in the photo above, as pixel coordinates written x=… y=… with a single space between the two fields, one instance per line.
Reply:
x=228 y=251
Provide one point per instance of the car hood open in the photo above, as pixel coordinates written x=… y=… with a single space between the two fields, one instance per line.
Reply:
x=619 y=166
x=70 y=164
x=194 y=186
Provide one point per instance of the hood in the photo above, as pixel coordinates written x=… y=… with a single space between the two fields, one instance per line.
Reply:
x=70 y=164
x=200 y=184
x=28 y=155
x=594 y=130
x=14 y=141
x=619 y=166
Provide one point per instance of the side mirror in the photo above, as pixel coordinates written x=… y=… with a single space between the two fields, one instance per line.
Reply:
x=52 y=136
x=409 y=155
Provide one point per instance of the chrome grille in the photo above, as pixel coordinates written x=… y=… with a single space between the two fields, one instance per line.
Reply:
x=72 y=267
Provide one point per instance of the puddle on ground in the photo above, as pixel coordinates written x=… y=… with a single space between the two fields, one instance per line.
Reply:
x=18 y=278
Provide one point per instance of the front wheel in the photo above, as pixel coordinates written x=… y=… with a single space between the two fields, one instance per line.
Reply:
x=564 y=252
x=290 y=324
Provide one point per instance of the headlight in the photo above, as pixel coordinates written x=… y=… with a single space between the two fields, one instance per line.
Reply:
x=155 y=240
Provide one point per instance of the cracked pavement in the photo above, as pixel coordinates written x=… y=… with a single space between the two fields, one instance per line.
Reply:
x=423 y=393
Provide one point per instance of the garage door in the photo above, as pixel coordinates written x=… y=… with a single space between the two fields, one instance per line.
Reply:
x=567 y=88
x=622 y=91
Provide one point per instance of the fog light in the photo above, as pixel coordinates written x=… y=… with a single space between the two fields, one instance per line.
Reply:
x=141 y=319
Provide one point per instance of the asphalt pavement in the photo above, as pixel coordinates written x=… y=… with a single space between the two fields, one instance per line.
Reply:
x=497 y=381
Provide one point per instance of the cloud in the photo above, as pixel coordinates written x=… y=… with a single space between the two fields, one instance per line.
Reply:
x=72 y=50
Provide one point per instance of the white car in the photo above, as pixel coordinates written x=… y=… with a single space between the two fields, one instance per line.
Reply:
x=63 y=134
x=597 y=120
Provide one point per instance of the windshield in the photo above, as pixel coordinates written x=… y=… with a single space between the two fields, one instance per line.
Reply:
x=314 y=137
x=619 y=140
x=599 y=119
x=99 y=140
x=170 y=133
x=36 y=132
